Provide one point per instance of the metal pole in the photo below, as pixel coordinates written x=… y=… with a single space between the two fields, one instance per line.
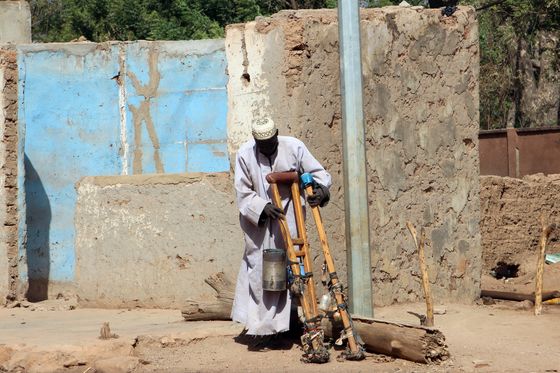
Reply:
x=355 y=178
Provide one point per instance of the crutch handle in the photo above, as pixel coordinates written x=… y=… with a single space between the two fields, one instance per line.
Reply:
x=306 y=180
x=282 y=177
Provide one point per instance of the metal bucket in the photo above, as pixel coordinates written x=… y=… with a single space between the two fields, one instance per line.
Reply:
x=274 y=270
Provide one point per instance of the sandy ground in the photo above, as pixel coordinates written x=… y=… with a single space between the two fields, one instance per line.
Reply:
x=481 y=338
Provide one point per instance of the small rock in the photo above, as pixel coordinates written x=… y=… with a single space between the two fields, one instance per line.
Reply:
x=487 y=301
x=5 y=354
x=405 y=4
x=481 y=363
x=73 y=363
x=120 y=364
x=105 y=332
x=524 y=306
x=440 y=310
x=167 y=341
x=13 y=304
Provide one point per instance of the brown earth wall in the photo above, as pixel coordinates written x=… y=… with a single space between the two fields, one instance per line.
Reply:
x=8 y=174
x=511 y=212
x=421 y=110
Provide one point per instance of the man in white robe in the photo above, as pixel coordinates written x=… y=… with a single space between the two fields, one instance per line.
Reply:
x=268 y=312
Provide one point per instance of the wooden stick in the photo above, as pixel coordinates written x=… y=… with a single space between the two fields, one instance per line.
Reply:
x=546 y=230
x=424 y=271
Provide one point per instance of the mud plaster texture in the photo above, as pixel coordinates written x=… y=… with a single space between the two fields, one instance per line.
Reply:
x=421 y=111
x=150 y=241
x=511 y=212
x=8 y=175
x=15 y=22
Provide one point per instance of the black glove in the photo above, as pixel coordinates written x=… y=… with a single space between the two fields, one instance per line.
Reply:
x=272 y=212
x=320 y=196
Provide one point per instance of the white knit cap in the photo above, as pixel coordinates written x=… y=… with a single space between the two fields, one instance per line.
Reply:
x=263 y=129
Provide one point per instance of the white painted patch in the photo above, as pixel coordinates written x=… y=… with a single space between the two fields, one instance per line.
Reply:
x=122 y=110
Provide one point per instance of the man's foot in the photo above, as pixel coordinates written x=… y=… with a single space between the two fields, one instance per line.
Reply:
x=270 y=342
x=261 y=343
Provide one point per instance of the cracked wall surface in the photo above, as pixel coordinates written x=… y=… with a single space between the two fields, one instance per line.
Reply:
x=421 y=111
x=150 y=241
x=9 y=283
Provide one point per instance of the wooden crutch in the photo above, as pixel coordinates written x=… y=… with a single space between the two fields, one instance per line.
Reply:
x=312 y=340
x=356 y=350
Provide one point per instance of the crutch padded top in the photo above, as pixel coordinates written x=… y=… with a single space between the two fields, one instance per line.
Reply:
x=282 y=177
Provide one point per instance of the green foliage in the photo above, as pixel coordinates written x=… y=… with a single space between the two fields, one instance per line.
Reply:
x=101 y=20
x=503 y=29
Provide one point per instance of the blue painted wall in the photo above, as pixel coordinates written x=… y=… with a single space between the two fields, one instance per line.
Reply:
x=110 y=109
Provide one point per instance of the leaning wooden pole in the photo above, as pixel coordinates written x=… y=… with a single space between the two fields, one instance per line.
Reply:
x=424 y=271
x=545 y=233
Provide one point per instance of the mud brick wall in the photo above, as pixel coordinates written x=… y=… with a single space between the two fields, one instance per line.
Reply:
x=421 y=110
x=150 y=241
x=8 y=175
x=511 y=211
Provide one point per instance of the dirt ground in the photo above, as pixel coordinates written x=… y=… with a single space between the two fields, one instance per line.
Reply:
x=496 y=338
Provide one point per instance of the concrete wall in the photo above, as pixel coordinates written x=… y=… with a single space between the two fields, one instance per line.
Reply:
x=109 y=109
x=152 y=240
x=511 y=210
x=421 y=110
x=8 y=176
x=15 y=22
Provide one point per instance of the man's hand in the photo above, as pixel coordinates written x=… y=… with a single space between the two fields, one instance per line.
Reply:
x=272 y=212
x=320 y=196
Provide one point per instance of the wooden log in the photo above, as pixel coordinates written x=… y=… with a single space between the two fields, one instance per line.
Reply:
x=546 y=230
x=508 y=295
x=415 y=343
x=424 y=271
x=216 y=310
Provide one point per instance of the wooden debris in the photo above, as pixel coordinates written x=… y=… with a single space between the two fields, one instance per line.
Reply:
x=409 y=342
x=216 y=310
x=415 y=343
x=508 y=295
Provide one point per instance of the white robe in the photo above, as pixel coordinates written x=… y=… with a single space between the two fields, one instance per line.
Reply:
x=265 y=312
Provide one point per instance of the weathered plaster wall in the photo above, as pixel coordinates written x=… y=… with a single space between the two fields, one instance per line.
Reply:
x=109 y=109
x=8 y=176
x=421 y=109
x=15 y=22
x=152 y=240
x=511 y=211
